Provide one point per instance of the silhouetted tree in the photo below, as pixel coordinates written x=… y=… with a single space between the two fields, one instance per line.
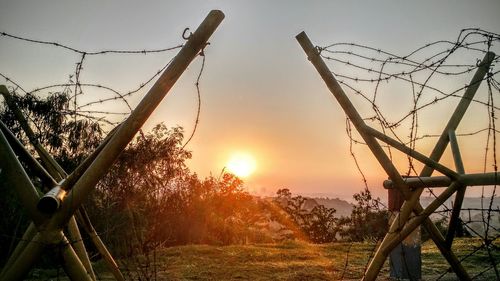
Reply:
x=368 y=219
x=318 y=224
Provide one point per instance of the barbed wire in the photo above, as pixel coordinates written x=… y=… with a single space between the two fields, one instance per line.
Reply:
x=427 y=74
x=75 y=87
x=92 y=106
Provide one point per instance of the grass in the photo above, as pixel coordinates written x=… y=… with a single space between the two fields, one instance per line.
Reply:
x=298 y=261
x=288 y=261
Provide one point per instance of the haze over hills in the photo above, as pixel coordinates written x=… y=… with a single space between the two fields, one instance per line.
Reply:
x=343 y=207
x=471 y=214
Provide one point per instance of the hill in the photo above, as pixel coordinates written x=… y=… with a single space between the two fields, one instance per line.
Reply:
x=472 y=214
x=343 y=207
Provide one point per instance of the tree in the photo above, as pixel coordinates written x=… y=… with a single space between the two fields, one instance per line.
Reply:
x=322 y=224
x=67 y=136
x=318 y=225
x=368 y=219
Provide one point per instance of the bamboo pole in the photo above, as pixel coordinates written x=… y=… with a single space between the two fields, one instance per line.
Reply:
x=350 y=110
x=26 y=259
x=73 y=266
x=15 y=177
x=412 y=153
x=460 y=110
x=478 y=179
x=27 y=237
x=76 y=241
x=82 y=216
x=26 y=157
x=459 y=197
x=44 y=156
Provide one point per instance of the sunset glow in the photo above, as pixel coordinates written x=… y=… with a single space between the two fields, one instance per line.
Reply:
x=241 y=164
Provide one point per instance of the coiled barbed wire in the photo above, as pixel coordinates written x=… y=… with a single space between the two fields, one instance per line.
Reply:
x=92 y=106
x=425 y=77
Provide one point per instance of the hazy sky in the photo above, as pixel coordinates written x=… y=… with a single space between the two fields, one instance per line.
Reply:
x=260 y=95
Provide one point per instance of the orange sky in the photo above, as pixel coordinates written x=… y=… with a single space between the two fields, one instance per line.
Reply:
x=260 y=95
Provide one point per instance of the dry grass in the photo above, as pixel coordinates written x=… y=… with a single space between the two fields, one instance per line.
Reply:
x=295 y=261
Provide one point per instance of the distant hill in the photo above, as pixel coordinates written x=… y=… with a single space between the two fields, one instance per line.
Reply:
x=343 y=207
x=472 y=214
x=469 y=202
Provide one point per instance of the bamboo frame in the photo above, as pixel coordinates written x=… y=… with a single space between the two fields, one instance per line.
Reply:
x=402 y=226
x=47 y=229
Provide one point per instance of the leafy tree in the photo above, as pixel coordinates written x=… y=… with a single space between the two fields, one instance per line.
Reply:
x=322 y=224
x=67 y=136
x=318 y=224
x=368 y=219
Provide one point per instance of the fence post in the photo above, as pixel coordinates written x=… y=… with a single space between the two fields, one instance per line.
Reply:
x=406 y=259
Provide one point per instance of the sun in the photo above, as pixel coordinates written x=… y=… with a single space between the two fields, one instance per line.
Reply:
x=241 y=164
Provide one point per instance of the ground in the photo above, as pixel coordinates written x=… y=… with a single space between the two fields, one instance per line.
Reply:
x=289 y=261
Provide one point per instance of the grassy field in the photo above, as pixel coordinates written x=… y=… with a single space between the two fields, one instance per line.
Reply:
x=293 y=261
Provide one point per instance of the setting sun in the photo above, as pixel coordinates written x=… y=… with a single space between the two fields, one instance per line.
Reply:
x=241 y=164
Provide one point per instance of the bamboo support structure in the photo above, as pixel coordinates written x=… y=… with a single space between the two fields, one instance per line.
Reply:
x=411 y=203
x=82 y=181
x=52 y=200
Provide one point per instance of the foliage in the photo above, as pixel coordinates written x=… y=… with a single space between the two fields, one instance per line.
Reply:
x=368 y=219
x=317 y=224
x=69 y=138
